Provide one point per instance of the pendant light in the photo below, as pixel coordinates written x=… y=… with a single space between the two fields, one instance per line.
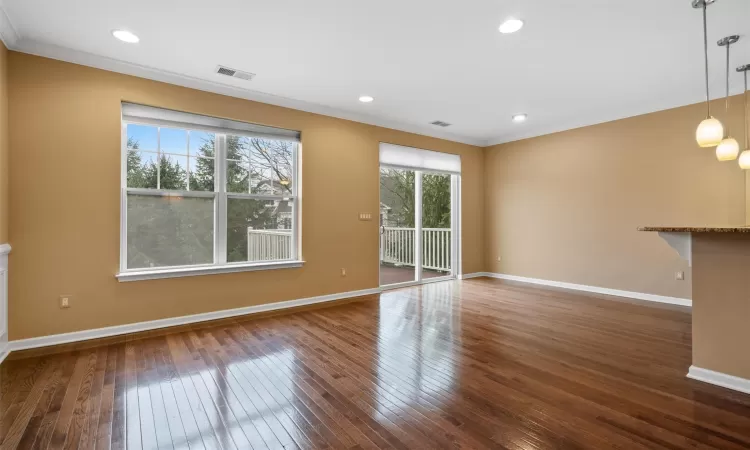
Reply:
x=710 y=132
x=728 y=148
x=745 y=155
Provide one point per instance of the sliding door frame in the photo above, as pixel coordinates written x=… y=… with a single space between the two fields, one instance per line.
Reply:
x=455 y=203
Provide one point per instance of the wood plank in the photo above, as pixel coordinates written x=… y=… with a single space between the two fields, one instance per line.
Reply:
x=181 y=363
x=91 y=423
x=32 y=407
x=104 y=430
x=36 y=422
x=185 y=433
x=47 y=426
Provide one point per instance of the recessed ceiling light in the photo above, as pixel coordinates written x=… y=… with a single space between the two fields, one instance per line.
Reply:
x=366 y=99
x=125 y=36
x=511 y=26
x=518 y=118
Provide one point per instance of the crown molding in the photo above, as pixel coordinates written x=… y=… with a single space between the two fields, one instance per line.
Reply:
x=655 y=105
x=14 y=41
x=8 y=33
x=151 y=73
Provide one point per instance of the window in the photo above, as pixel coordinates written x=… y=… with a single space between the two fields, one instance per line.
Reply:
x=203 y=195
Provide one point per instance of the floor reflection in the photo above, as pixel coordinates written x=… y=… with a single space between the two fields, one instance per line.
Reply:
x=221 y=399
x=417 y=355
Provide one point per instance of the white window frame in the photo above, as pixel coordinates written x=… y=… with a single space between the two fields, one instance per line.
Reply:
x=220 y=197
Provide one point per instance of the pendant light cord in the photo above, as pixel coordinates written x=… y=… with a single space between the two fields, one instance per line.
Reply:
x=747 y=140
x=705 y=54
x=726 y=102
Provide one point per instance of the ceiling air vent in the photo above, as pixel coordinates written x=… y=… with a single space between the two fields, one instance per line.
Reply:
x=221 y=70
x=440 y=123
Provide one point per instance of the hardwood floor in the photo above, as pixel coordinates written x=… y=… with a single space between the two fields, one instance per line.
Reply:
x=390 y=274
x=472 y=364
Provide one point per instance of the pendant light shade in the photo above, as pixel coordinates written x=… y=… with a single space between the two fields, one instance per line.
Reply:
x=745 y=155
x=745 y=160
x=710 y=132
x=728 y=150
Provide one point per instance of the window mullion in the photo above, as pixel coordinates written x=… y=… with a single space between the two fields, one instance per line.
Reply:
x=418 y=236
x=158 y=158
x=187 y=169
x=124 y=197
x=220 y=186
x=295 y=177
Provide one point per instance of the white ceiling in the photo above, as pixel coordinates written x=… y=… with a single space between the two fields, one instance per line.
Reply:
x=575 y=63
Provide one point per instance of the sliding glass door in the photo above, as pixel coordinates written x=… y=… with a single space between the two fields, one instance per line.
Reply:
x=398 y=230
x=437 y=236
x=417 y=223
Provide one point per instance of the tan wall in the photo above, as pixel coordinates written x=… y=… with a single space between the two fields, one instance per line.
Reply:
x=65 y=210
x=4 y=153
x=721 y=311
x=565 y=206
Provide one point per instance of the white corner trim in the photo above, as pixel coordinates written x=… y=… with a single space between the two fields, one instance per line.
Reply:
x=65 y=338
x=719 y=379
x=594 y=289
x=8 y=33
x=4 y=250
x=152 y=73
x=4 y=351
x=178 y=272
x=467 y=276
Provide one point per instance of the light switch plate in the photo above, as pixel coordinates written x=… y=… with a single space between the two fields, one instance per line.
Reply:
x=65 y=301
x=365 y=216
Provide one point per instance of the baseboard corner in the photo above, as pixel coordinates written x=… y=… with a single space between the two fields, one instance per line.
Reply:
x=467 y=276
x=4 y=351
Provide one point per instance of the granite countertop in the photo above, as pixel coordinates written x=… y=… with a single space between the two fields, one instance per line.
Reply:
x=698 y=229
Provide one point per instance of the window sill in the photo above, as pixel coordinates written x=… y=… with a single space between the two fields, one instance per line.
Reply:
x=156 y=274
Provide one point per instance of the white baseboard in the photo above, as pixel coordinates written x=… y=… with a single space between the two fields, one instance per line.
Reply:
x=594 y=289
x=77 y=336
x=56 y=339
x=719 y=379
x=467 y=276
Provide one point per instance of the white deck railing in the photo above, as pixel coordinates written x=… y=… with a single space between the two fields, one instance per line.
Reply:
x=269 y=245
x=397 y=247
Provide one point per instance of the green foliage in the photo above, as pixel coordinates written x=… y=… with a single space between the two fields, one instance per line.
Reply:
x=436 y=201
x=397 y=192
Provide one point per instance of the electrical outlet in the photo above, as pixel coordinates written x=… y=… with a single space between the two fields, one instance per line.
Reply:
x=679 y=275
x=499 y=259
x=343 y=272
x=65 y=301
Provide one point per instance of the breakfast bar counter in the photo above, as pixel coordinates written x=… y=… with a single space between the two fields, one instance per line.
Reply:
x=720 y=260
